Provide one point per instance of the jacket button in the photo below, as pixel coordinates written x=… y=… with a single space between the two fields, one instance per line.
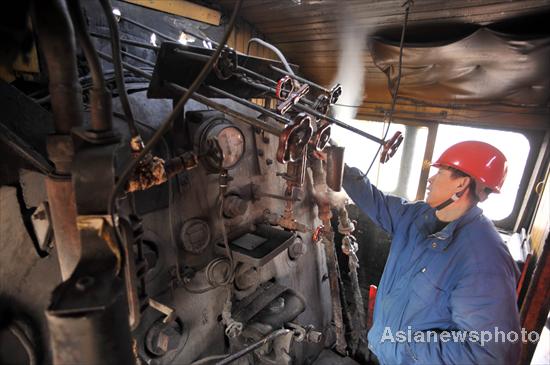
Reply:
x=434 y=245
x=423 y=269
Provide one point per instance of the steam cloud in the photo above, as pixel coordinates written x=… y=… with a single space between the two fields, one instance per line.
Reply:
x=351 y=70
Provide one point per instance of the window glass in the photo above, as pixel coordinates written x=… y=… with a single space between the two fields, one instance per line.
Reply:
x=514 y=146
x=400 y=175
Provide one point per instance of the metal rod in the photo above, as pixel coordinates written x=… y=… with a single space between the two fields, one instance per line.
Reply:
x=143 y=26
x=315 y=113
x=250 y=104
x=306 y=81
x=254 y=122
x=144 y=61
x=254 y=346
x=25 y=150
x=126 y=41
x=192 y=55
x=257 y=75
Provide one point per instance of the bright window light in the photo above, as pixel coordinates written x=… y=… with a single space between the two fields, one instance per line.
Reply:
x=401 y=174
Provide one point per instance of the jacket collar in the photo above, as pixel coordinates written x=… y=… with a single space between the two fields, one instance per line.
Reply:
x=426 y=224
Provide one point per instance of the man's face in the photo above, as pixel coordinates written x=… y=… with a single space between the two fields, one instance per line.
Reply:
x=441 y=186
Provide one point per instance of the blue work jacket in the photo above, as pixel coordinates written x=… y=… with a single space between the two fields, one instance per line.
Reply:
x=456 y=282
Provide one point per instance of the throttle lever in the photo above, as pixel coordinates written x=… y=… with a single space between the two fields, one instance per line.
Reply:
x=390 y=147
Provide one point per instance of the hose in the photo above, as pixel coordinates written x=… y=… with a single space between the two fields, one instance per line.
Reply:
x=275 y=50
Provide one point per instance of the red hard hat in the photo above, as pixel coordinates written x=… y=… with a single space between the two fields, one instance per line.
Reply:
x=485 y=163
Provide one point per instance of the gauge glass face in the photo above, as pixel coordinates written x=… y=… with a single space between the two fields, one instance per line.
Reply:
x=231 y=142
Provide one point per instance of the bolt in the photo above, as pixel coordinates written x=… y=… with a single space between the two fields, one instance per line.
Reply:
x=296 y=249
x=85 y=282
x=265 y=139
x=269 y=161
x=260 y=153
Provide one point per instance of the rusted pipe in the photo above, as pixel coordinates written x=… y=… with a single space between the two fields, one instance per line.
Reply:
x=56 y=36
x=335 y=167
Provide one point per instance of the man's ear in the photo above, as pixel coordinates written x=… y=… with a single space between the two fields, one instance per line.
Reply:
x=463 y=183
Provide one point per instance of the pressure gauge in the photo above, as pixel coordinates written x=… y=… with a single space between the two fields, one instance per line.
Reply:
x=221 y=145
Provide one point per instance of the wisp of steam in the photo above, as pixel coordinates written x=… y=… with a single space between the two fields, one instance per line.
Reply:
x=351 y=69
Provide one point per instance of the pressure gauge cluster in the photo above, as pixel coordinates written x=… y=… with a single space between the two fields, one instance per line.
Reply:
x=220 y=144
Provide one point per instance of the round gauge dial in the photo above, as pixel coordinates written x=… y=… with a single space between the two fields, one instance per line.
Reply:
x=231 y=142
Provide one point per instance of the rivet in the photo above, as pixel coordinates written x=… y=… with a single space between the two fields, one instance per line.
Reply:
x=423 y=269
x=434 y=245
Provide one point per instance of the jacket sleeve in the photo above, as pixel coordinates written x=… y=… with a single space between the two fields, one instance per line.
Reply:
x=384 y=210
x=484 y=310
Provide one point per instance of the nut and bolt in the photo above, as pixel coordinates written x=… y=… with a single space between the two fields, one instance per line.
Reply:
x=296 y=249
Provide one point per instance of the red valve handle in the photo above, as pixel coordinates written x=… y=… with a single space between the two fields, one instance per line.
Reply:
x=390 y=147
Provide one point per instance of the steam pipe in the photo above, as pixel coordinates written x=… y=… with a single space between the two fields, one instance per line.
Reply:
x=119 y=75
x=101 y=107
x=55 y=33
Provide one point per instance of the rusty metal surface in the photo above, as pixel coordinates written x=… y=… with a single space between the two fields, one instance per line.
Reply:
x=335 y=167
x=56 y=34
x=62 y=202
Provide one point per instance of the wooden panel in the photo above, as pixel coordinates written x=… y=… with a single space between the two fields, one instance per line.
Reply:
x=182 y=8
x=309 y=35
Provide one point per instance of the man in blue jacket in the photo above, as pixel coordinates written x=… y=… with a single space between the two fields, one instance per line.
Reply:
x=447 y=294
